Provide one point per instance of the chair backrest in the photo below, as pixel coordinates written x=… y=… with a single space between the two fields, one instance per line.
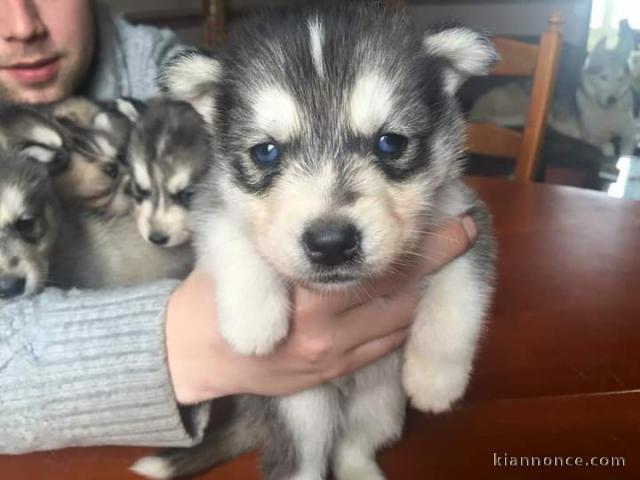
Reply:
x=522 y=60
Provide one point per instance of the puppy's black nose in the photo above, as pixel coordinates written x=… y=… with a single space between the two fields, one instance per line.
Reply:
x=158 y=238
x=11 y=287
x=331 y=242
x=611 y=100
x=111 y=169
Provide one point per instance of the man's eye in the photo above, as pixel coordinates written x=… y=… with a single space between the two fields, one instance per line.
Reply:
x=184 y=197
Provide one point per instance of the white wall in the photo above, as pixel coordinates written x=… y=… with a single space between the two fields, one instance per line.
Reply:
x=511 y=19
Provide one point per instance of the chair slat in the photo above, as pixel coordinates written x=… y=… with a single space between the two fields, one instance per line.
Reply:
x=516 y=58
x=490 y=139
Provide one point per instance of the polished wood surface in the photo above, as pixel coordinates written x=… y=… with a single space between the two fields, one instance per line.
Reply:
x=522 y=59
x=558 y=372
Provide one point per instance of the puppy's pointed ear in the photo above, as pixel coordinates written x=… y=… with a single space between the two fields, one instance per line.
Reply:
x=191 y=76
x=466 y=53
x=626 y=40
x=38 y=153
x=42 y=133
x=129 y=107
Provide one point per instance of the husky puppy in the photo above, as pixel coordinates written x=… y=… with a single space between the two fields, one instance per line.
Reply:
x=168 y=153
x=338 y=146
x=84 y=161
x=601 y=110
x=43 y=242
x=29 y=221
x=105 y=128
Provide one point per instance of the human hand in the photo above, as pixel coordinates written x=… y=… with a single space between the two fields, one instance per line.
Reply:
x=331 y=335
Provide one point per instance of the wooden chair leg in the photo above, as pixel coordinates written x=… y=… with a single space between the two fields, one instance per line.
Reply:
x=215 y=21
x=541 y=93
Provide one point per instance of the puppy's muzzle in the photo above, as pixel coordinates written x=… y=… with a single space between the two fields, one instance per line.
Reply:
x=331 y=242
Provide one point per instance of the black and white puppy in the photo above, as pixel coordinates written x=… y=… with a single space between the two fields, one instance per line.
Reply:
x=337 y=147
x=167 y=155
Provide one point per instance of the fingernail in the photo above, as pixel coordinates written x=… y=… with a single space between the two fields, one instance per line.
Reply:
x=470 y=227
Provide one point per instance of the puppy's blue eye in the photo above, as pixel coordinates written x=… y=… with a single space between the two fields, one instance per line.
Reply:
x=266 y=154
x=391 y=145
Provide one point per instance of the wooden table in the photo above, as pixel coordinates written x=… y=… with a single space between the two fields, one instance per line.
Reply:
x=558 y=373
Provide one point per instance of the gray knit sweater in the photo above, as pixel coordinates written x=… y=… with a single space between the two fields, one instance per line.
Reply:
x=89 y=368
x=128 y=58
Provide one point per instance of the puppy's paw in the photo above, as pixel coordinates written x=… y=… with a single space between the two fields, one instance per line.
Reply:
x=155 y=468
x=255 y=324
x=434 y=386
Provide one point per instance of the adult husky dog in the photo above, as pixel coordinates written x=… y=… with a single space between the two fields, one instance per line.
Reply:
x=601 y=111
x=337 y=146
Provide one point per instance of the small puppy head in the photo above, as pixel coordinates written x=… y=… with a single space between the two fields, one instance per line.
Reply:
x=29 y=219
x=606 y=75
x=168 y=153
x=333 y=134
x=83 y=161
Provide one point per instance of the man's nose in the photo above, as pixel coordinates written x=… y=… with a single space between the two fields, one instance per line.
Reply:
x=20 y=21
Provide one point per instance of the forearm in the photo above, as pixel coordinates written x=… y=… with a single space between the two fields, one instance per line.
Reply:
x=89 y=368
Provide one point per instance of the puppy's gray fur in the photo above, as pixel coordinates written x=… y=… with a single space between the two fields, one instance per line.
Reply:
x=43 y=242
x=81 y=150
x=324 y=89
x=167 y=154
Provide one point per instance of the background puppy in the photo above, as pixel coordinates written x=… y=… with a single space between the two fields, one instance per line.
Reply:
x=168 y=153
x=84 y=161
x=600 y=111
x=337 y=143
x=29 y=221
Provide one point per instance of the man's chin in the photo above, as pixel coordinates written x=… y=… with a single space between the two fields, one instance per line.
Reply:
x=53 y=92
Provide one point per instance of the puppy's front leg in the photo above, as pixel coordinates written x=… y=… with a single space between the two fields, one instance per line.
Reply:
x=252 y=300
x=442 y=342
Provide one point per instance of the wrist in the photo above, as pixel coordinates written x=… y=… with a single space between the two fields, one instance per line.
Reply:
x=194 y=357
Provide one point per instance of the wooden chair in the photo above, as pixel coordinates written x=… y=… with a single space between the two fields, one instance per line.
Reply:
x=522 y=60
x=215 y=21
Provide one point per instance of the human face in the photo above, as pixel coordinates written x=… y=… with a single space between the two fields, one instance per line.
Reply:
x=46 y=47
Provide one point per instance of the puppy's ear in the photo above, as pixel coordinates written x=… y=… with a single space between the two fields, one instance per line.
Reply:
x=38 y=153
x=103 y=122
x=43 y=134
x=626 y=40
x=191 y=76
x=466 y=53
x=129 y=107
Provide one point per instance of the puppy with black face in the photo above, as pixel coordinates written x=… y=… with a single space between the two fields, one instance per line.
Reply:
x=337 y=145
x=168 y=153
x=29 y=222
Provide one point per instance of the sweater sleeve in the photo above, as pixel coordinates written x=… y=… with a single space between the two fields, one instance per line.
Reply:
x=86 y=368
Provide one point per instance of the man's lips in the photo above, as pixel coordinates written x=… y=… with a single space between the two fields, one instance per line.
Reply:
x=34 y=72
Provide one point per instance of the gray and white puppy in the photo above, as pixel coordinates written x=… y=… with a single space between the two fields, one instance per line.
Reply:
x=42 y=242
x=83 y=159
x=338 y=146
x=168 y=153
x=29 y=223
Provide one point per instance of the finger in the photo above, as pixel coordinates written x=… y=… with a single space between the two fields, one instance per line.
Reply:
x=439 y=248
x=372 y=351
x=375 y=319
